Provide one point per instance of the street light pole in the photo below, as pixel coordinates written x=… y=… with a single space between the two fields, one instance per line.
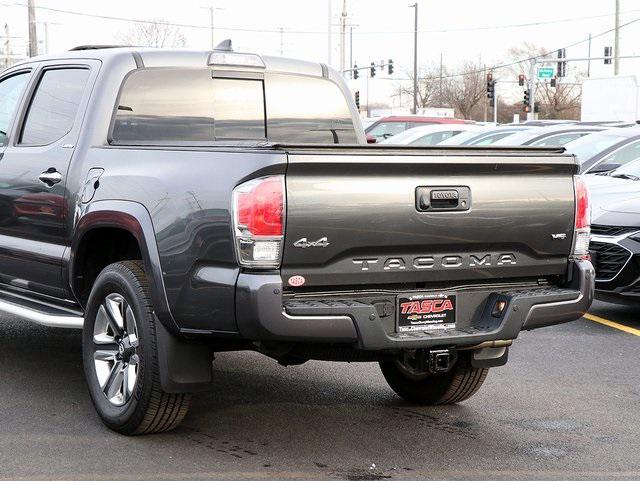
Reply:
x=616 y=41
x=415 y=58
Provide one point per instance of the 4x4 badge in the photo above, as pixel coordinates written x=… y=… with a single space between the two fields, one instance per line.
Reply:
x=304 y=243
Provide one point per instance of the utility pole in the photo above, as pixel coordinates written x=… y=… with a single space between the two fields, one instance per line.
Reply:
x=532 y=90
x=211 y=26
x=329 y=21
x=616 y=42
x=495 y=104
x=46 y=37
x=33 y=35
x=589 y=55
x=211 y=9
x=351 y=48
x=415 y=58
x=343 y=28
x=486 y=101
x=7 y=45
x=440 y=83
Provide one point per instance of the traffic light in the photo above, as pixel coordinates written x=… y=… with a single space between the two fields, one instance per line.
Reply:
x=390 y=66
x=553 y=82
x=356 y=74
x=357 y=95
x=527 y=98
x=373 y=69
x=491 y=87
x=607 y=55
x=562 y=66
x=521 y=79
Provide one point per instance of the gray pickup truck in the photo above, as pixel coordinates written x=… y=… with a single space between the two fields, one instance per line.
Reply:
x=176 y=204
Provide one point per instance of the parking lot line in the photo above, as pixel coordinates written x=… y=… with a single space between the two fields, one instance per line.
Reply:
x=615 y=325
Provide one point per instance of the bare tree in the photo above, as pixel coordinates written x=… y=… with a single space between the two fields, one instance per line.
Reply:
x=157 y=33
x=465 y=91
x=429 y=94
x=560 y=102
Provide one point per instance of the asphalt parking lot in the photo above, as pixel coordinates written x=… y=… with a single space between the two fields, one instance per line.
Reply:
x=565 y=407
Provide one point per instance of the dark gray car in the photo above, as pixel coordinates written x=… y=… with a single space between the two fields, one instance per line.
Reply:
x=178 y=204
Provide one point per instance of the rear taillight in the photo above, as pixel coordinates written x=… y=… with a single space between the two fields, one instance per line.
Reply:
x=582 y=220
x=258 y=213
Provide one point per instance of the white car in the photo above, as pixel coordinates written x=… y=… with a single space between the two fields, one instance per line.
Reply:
x=429 y=134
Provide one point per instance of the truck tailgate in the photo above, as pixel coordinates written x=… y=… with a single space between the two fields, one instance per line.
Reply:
x=383 y=216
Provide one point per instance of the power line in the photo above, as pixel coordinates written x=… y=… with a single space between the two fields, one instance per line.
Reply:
x=528 y=59
x=318 y=32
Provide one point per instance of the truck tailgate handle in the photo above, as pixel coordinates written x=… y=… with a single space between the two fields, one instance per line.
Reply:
x=443 y=198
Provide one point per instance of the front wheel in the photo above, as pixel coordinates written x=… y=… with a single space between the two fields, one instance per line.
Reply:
x=120 y=355
x=456 y=385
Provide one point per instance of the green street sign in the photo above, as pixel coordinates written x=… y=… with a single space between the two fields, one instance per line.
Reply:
x=545 y=72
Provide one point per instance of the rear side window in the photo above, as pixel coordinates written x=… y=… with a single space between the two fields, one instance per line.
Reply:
x=10 y=92
x=307 y=110
x=54 y=106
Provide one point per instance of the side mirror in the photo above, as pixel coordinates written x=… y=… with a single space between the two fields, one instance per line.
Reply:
x=371 y=139
x=602 y=168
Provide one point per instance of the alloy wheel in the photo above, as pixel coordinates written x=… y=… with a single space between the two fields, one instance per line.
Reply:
x=115 y=349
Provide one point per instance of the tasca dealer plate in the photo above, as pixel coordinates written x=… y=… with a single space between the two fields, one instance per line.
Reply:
x=425 y=312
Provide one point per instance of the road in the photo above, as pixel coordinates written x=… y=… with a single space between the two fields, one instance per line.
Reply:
x=566 y=407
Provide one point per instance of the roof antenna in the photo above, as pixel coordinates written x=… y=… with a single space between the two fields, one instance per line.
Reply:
x=225 y=46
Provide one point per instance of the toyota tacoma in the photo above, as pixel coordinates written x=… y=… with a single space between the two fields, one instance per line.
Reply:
x=177 y=204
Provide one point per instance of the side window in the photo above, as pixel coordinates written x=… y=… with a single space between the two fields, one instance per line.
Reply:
x=387 y=129
x=11 y=89
x=624 y=155
x=490 y=139
x=435 y=137
x=54 y=106
x=559 y=139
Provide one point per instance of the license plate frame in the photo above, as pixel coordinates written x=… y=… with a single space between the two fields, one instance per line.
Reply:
x=421 y=311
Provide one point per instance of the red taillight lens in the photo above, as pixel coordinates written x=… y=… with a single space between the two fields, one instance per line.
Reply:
x=583 y=213
x=582 y=231
x=260 y=208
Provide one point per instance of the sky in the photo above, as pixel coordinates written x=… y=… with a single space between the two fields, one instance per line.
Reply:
x=459 y=30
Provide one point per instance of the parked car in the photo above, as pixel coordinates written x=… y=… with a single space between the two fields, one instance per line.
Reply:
x=546 y=122
x=144 y=195
x=552 y=136
x=429 y=134
x=392 y=125
x=606 y=150
x=485 y=135
x=615 y=243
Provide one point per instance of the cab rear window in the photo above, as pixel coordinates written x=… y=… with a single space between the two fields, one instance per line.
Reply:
x=188 y=106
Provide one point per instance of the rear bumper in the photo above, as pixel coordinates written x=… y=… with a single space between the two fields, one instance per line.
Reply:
x=262 y=315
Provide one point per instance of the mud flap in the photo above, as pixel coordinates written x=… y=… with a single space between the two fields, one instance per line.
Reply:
x=184 y=366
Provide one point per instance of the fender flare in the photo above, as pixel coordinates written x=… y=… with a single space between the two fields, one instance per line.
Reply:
x=135 y=219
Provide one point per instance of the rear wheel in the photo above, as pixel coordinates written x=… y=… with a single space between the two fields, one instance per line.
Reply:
x=120 y=355
x=420 y=387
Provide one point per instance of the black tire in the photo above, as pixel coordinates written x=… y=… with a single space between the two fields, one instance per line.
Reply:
x=145 y=408
x=459 y=384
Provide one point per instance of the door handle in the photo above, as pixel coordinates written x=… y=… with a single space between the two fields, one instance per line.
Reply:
x=50 y=177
